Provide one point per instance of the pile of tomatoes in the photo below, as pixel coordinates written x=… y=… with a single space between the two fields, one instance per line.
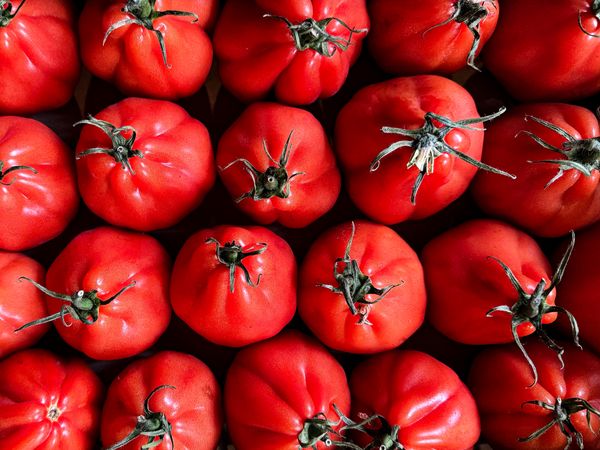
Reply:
x=232 y=226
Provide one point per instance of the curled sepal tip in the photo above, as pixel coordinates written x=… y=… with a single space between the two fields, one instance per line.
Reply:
x=6 y=11
x=595 y=11
x=320 y=429
x=4 y=173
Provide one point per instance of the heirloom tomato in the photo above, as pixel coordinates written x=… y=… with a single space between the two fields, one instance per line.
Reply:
x=144 y=164
x=285 y=393
x=276 y=161
x=301 y=49
x=38 y=191
x=554 y=150
x=47 y=402
x=168 y=401
x=434 y=153
x=150 y=48
x=429 y=36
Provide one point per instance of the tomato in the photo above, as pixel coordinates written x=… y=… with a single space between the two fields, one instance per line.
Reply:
x=283 y=393
x=419 y=403
x=436 y=117
x=39 y=64
x=547 y=50
x=48 y=402
x=150 y=48
x=109 y=288
x=178 y=398
x=276 y=161
x=301 y=49
x=144 y=164
x=38 y=192
x=356 y=281
x=551 y=414
x=432 y=36
x=557 y=185
x=235 y=285
x=19 y=302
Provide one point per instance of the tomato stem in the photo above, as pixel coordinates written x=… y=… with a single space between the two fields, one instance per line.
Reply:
x=319 y=428
x=6 y=11
x=3 y=172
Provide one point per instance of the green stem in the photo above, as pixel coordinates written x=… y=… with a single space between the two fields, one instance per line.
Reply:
x=6 y=11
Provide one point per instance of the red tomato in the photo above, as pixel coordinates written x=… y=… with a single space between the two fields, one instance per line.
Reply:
x=109 y=289
x=144 y=164
x=302 y=49
x=47 y=402
x=545 y=50
x=150 y=48
x=281 y=394
x=234 y=285
x=178 y=398
x=547 y=198
x=355 y=285
x=514 y=415
x=420 y=403
x=277 y=162
x=38 y=192
x=39 y=64
x=430 y=36
x=436 y=117
x=19 y=302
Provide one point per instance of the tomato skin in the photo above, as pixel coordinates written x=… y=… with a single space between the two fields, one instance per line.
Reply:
x=200 y=286
x=263 y=49
x=170 y=180
x=274 y=386
x=36 y=207
x=311 y=194
x=463 y=283
x=545 y=59
x=39 y=63
x=131 y=57
x=193 y=408
x=108 y=259
x=569 y=203
x=34 y=381
x=403 y=41
x=500 y=382
x=387 y=259
x=20 y=302
x=384 y=195
x=432 y=406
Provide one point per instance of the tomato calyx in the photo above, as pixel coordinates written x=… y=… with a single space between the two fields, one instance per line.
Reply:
x=563 y=409
x=319 y=429
x=153 y=425
x=142 y=12
x=3 y=172
x=384 y=435
x=53 y=413
x=581 y=154
x=6 y=11
x=595 y=11
x=312 y=34
x=232 y=255
x=83 y=306
x=122 y=147
x=531 y=308
x=428 y=143
x=355 y=285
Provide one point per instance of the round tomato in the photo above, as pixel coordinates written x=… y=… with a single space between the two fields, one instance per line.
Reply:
x=150 y=48
x=547 y=50
x=276 y=161
x=395 y=174
x=430 y=36
x=38 y=192
x=285 y=393
x=550 y=415
x=108 y=293
x=356 y=281
x=171 y=400
x=413 y=402
x=554 y=151
x=47 y=402
x=19 y=302
x=235 y=285
x=39 y=64
x=144 y=164
x=301 y=49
